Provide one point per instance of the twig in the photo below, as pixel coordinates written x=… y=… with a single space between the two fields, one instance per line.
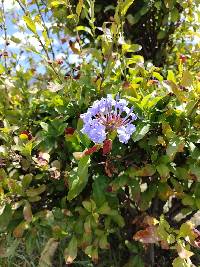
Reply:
x=46 y=29
x=21 y=6
x=42 y=45
x=5 y=48
x=5 y=32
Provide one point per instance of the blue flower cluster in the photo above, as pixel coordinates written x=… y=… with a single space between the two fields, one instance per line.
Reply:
x=106 y=116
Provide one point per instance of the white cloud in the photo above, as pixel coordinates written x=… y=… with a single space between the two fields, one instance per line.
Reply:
x=26 y=39
x=2 y=41
x=34 y=42
x=74 y=59
x=60 y=56
x=11 y=4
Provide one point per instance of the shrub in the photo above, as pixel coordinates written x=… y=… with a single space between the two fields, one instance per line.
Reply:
x=126 y=200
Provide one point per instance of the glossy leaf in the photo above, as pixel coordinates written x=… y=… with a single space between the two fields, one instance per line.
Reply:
x=78 y=178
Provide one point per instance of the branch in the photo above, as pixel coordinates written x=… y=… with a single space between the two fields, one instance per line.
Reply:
x=21 y=6
x=5 y=31
x=41 y=43
x=46 y=29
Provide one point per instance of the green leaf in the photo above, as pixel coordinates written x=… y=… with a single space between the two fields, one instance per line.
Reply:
x=103 y=242
x=90 y=206
x=158 y=76
x=3 y=174
x=178 y=262
x=136 y=59
x=118 y=219
x=27 y=149
x=78 y=178
x=134 y=261
x=125 y=6
x=99 y=189
x=85 y=29
x=186 y=79
x=195 y=171
x=188 y=200
x=48 y=253
x=163 y=170
x=57 y=3
x=104 y=209
x=141 y=130
x=30 y=24
x=70 y=252
x=171 y=76
x=186 y=231
x=46 y=38
x=161 y=35
x=2 y=69
x=175 y=15
x=15 y=40
x=131 y=48
x=27 y=180
x=169 y=3
x=191 y=107
x=5 y=216
x=32 y=192
x=172 y=87
x=175 y=145
x=44 y=126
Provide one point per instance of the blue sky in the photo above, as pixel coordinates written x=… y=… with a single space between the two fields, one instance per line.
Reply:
x=27 y=38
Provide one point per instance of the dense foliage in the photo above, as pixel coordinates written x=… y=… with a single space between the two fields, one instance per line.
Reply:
x=148 y=23
x=118 y=202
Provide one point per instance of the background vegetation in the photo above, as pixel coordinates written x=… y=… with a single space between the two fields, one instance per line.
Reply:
x=62 y=203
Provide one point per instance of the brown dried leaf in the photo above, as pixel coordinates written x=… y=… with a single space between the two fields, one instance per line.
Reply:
x=147 y=236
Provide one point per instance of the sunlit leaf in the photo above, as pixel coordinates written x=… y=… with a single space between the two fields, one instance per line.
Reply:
x=30 y=24
x=125 y=6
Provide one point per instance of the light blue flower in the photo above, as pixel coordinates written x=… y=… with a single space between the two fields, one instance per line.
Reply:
x=106 y=116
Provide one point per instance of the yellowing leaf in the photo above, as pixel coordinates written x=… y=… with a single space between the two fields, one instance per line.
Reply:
x=2 y=69
x=171 y=76
x=48 y=253
x=103 y=242
x=19 y=230
x=27 y=212
x=131 y=48
x=158 y=76
x=186 y=79
x=57 y=3
x=85 y=29
x=79 y=7
x=183 y=252
x=30 y=24
x=70 y=252
x=75 y=47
